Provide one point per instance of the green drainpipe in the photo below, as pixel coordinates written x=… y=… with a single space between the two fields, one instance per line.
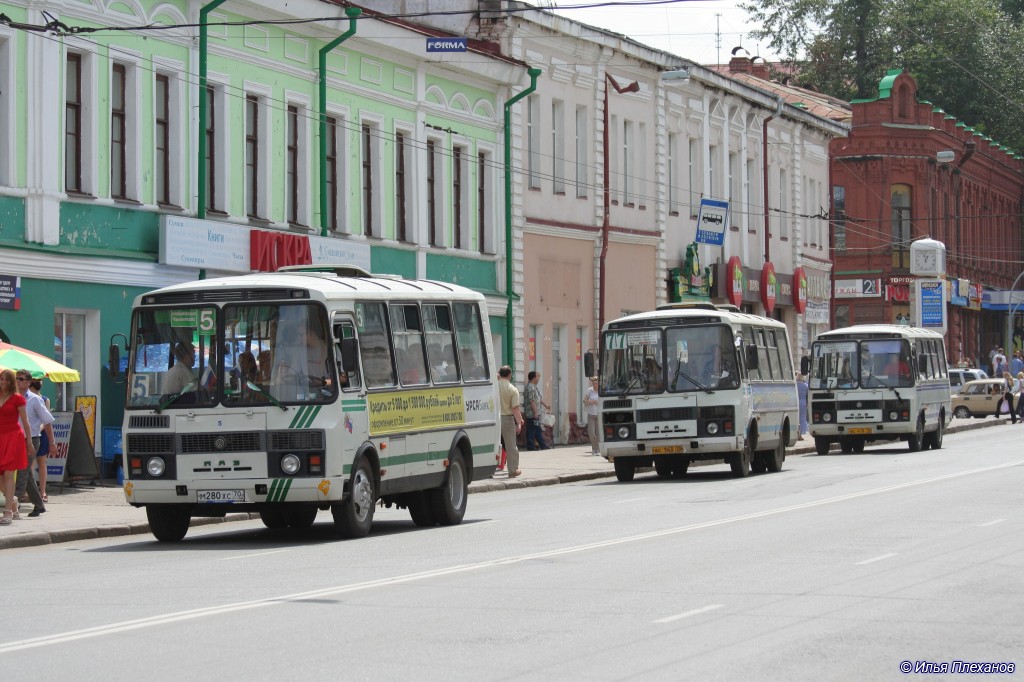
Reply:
x=352 y=13
x=509 y=321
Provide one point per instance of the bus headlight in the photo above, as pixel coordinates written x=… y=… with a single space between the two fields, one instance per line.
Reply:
x=155 y=466
x=712 y=428
x=827 y=417
x=623 y=432
x=894 y=415
x=290 y=464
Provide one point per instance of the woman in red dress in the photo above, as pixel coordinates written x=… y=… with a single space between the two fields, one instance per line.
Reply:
x=15 y=441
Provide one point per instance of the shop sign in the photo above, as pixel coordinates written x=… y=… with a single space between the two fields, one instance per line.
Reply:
x=817 y=312
x=10 y=292
x=769 y=287
x=800 y=284
x=734 y=281
x=858 y=288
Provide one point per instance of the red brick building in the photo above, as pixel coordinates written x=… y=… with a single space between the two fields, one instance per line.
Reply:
x=909 y=170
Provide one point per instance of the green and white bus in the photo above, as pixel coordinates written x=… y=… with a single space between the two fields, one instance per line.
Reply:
x=292 y=392
x=878 y=382
x=693 y=382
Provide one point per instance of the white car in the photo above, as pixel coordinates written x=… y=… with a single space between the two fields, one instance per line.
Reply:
x=959 y=377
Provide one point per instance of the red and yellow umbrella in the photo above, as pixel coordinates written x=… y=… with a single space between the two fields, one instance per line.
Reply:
x=15 y=358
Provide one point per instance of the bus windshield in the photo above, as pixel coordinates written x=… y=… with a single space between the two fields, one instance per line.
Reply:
x=870 y=363
x=241 y=355
x=649 y=361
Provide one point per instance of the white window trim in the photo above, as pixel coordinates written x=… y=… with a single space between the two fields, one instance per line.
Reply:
x=133 y=126
x=376 y=123
x=8 y=169
x=222 y=142
x=533 y=172
x=440 y=178
x=88 y=94
x=342 y=187
x=467 y=202
x=305 y=121
x=412 y=185
x=177 y=113
x=265 y=160
x=582 y=152
x=558 y=146
x=490 y=236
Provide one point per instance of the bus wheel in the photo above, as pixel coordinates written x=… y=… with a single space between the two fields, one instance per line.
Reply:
x=740 y=461
x=273 y=518
x=169 y=522
x=758 y=466
x=301 y=517
x=624 y=469
x=846 y=445
x=916 y=439
x=679 y=466
x=858 y=446
x=663 y=465
x=420 y=510
x=449 y=501
x=821 y=446
x=933 y=440
x=353 y=516
x=776 y=457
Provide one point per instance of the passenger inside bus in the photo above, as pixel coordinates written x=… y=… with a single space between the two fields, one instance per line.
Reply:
x=471 y=369
x=655 y=382
x=180 y=375
x=897 y=367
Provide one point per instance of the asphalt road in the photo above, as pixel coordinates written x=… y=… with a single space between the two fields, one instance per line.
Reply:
x=838 y=568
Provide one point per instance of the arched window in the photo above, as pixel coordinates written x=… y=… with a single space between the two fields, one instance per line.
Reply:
x=901 y=232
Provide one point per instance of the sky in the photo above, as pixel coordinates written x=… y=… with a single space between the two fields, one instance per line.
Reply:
x=686 y=28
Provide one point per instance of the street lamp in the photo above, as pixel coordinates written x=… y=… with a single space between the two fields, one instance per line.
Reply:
x=606 y=224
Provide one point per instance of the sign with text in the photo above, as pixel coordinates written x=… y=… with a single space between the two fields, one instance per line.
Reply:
x=711 y=222
x=10 y=293
x=446 y=45
x=931 y=297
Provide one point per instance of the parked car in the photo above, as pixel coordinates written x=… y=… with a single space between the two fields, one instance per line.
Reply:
x=979 y=398
x=959 y=377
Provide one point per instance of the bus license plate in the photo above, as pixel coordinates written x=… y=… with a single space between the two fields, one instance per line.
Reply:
x=220 y=496
x=666 y=449
x=863 y=430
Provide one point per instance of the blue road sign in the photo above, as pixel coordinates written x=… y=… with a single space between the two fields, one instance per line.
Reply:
x=711 y=222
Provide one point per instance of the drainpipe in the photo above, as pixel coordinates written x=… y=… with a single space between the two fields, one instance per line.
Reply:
x=509 y=321
x=204 y=14
x=764 y=158
x=352 y=13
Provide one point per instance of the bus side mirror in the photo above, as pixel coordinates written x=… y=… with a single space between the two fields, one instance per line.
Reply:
x=805 y=365
x=752 y=356
x=349 y=355
x=114 y=360
x=588 y=363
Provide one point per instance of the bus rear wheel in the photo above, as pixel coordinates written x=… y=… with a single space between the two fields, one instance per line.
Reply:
x=353 y=516
x=449 y=501
x=933 y=440
x=740 y=461
x=774 y=459
x=663 y=465
x=168 y=522
x=625 y=470
x=916 y=439
x=679 y=466
x=420 y=509
x=821 y=446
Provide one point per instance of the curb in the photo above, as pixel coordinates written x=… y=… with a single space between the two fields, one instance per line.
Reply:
x=488 y=486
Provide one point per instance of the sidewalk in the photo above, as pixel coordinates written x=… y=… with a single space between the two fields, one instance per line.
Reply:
x=86 y=511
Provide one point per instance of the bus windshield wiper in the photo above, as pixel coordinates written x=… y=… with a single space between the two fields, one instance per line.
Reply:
x=256 y=387
x=174 y=396
x=633 y=382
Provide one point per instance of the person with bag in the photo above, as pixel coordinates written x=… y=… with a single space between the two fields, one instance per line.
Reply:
x=1005 y=405
x=534 y=411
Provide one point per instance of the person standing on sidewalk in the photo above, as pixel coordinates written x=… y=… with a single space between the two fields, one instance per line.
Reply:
x=591 y=401
x=511 y=418
x=15 y=441
x=801 y=392
x=39 y=421
x=45 y=439
x=534 y=403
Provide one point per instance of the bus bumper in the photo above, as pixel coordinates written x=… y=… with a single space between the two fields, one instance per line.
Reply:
x=222 y=494
x=694 y=448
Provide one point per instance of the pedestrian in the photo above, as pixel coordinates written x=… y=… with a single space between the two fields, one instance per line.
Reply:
x=15 y=440
x=45 y=440
x=534 y=411
x=511 y=419
x=998 y=363
x=592 y=402
x=1020 y=396
x=39 y=419
x=801 y=391
x=1017 y=363
x=1009 y=387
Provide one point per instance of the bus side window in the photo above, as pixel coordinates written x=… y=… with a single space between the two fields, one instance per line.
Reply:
x=374 y=345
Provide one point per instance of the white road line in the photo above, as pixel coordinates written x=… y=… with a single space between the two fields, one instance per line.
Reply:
x=877 y=558
x=990 y=523
x=687 y=614
x=246 y=556
x=632 y=499
x=179 y=616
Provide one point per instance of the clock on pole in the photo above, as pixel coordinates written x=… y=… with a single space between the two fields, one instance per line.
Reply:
x=928 y=258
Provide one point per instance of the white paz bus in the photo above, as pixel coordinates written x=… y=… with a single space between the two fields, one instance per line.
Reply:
x=693 y=382
x=292 y=392
x=878 y=382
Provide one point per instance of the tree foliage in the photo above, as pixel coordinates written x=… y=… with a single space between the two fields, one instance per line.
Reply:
x=964 y=54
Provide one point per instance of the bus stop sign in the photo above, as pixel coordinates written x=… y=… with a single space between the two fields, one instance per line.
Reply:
x=711 y=222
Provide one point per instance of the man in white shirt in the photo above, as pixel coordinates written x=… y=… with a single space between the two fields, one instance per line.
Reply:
x=39 y=419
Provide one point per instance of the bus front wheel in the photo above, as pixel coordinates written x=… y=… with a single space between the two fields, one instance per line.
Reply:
x=353 y=516
x=916 y=439
x=168 y=523
x=449 y=501
x=663 y=465
x=420 y=509
x=821 y=446
x=740 y=461
x=624 y=469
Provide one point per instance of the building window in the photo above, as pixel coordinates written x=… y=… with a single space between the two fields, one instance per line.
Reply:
x=712 y=157
x=484 y=224
x=751 y=193
x=73 y=124
x=211 y=149
x=401 y=187
x=839 y=217
x=7 y=143
x=533 y=142
x=783 y=204
x=735 y=198
x=582 y=153
x=558 y=146
x=370 y=165
x=641 y=164
x=692 y=187
x=457 y=154
x=118 y=131
x=627 y=163
x=292 y=166
x=252 y=155
x=162 y=139
x=673 y=192
x=434 y=224
x=901 y=233
x=335 y=173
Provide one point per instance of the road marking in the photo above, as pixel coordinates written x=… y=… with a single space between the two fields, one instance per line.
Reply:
x=877 y=558
x=632 y=499
x=246 y=556
x=990 y=523
x=193 y=614
x=687 y=614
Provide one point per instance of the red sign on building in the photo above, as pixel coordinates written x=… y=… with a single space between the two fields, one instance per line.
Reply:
x=734 y=281
x=769 y=287
x=269 y=251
